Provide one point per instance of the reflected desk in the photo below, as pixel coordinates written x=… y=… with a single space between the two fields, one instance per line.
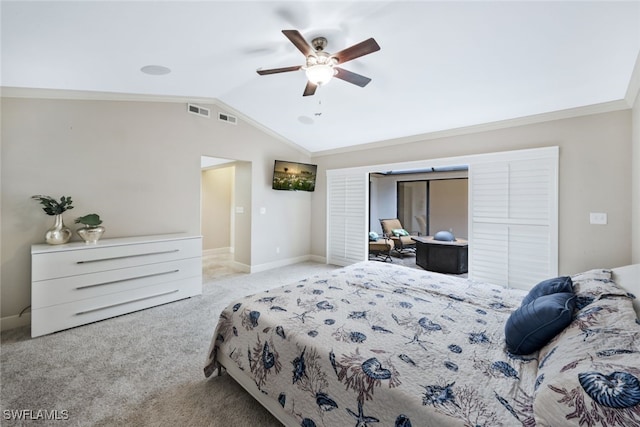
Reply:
x=442 y=256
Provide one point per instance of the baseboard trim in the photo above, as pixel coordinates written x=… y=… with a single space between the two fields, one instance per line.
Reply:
x=243 y=268
x=280 y=263
x=217 y=251
x=318 y=258
x=15 y=321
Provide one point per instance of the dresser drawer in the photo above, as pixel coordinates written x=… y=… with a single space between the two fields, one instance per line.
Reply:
x=85 y=260
x=63 y=316
x=66 y=289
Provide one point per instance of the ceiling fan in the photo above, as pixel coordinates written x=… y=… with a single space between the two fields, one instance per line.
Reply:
x=321 y=66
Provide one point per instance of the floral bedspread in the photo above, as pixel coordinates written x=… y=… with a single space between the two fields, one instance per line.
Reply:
x=589 y=373
x=380 y=344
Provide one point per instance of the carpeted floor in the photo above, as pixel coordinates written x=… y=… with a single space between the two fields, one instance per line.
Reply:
x=140 y=369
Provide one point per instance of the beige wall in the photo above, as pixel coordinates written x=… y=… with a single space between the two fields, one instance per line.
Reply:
x=449 y=206
x=217 y=197
x=594 y=174
x=245 y=240
x=137 y=164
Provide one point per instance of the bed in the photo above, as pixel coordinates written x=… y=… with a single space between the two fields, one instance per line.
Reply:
x=380 y=344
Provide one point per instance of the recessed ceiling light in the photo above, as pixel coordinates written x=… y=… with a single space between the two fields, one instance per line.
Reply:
x=155 y=70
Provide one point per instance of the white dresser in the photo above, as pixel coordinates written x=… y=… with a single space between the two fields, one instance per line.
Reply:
x=79 y=283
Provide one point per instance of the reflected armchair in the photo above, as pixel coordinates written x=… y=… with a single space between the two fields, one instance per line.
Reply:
x=380 y=247
x=403 y=243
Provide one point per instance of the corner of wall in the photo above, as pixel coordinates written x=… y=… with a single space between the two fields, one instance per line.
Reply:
x=635 y=180
x=15 y=321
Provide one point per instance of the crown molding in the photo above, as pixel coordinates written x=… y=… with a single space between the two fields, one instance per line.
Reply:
x=604 y=107
x=81 y=95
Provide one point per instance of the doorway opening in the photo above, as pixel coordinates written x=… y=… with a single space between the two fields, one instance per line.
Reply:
x=219 y=187
x=425 y=201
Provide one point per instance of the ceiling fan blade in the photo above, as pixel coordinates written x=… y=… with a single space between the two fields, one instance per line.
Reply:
x=356 y=51
x=310 y=89
x=296 y=38
x=278 y=70
x=351 y=77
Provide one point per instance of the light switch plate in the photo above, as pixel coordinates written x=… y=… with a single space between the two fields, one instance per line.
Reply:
x=599 y=218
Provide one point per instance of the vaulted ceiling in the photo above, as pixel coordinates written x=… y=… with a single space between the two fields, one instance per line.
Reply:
x=441 y=66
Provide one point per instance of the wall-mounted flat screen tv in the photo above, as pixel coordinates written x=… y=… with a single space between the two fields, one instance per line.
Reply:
x=294 y=176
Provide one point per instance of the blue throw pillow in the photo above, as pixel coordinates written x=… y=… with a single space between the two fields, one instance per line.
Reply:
x=373 y=236
x=547 y=287
x=533 y=325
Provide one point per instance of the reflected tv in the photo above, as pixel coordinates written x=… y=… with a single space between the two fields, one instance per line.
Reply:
x=294 y=176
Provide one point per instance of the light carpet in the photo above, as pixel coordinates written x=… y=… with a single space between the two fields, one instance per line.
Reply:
x=140 y=369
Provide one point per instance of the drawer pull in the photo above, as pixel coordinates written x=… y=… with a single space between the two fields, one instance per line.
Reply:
x=128 y=256
x=126 y=302
x=127 y=279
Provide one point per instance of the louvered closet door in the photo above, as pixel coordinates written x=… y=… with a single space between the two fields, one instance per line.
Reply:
x=347 y=200
x=513 y=229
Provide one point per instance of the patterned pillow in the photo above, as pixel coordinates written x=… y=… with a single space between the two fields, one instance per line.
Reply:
x=400 y=232
x=594 y=285
x=590 y=372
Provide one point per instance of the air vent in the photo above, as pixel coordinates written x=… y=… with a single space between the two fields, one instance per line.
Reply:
x=200 y=111
x=223 y=117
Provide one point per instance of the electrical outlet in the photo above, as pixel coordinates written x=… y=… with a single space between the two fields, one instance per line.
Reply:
x=277 y=249
x=599 y=218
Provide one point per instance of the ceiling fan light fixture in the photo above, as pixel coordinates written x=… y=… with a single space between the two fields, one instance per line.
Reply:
x=319 y=69
x=320 y=74
x=320 y=66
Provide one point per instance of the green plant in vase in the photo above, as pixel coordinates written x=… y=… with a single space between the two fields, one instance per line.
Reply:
x=92 y=230
x=59 y=233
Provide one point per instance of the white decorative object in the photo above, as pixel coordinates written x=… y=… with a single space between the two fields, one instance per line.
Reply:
x=75 y=284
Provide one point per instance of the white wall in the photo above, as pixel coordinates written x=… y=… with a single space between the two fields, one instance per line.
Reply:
x=635 y=179
x=383 y=200
x=594 y=175
x=137 y=164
